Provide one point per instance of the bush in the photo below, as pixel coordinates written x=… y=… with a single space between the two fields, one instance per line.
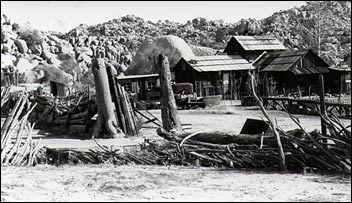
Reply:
x=31 y=36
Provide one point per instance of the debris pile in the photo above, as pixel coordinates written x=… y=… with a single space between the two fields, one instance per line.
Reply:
x=17 y=146
x=302 y=150
x=73 y=111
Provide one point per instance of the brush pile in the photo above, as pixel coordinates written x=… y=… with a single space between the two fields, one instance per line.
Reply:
x=17 y=146
x=70 y=110
x=302 y=150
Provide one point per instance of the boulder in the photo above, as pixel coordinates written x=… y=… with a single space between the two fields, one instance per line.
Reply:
x=7 y=33
x=22 y=45
x=33 y=76
x=7 y=59
x=84 y=58
x=65 y=49
x=203 y=51
x=54 y=40
x=44 y=45
x=7 y=47
x=171 y=46
x=52 y=73
x=51 y=43
x=47 y=55
x=54 y=61
x=84 y=50
x=23 y=65
x=36 y=49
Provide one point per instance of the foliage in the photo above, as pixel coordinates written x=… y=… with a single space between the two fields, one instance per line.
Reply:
x=31 y=36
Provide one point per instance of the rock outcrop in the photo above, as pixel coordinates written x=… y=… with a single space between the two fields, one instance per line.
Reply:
x=171 y=46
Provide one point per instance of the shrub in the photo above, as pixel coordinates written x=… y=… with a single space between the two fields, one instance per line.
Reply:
x=31 y=36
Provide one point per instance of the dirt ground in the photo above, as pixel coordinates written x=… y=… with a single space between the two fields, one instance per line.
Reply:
x=157 y=183
x=229 y=116
x=171 y=183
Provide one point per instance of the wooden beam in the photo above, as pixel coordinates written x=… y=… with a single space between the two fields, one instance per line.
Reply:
x=322 y=103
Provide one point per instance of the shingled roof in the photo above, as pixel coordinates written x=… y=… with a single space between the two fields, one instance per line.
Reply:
x=217 y=63
x=295 y=61
x=260 y=43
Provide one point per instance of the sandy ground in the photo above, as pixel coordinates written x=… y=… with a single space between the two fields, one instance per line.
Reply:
x=157 y=183
x=229 y=116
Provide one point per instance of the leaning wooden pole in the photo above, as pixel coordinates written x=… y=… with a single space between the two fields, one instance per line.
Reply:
x=272 y=125
x=322 y=103
x=105 y=104
x=169 y=115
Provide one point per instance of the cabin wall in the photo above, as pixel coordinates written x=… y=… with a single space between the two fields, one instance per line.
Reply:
x=287 y=83
x=336 y=82
x=229 y=84
x=145 y=88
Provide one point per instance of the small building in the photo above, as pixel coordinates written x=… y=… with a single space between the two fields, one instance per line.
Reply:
x=250 y=47
x=146 y=87
x=289 y=72
x=338 y=80
x=224 y=75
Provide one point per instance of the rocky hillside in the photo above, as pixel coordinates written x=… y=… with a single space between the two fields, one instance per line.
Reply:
x=70 y=52
x=297 y=28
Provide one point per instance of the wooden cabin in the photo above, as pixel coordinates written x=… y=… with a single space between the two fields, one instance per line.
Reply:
x=251 y=47
x=286 y=72
x=338 y=80
x=146 y=87
x=224 y=75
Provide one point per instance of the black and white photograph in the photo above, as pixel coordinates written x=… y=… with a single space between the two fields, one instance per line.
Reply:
x=175 y=101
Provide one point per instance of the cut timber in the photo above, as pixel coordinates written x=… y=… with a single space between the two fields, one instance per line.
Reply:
x=105 y=104
x=218 y=137
x=116 y=99
x=169 y=115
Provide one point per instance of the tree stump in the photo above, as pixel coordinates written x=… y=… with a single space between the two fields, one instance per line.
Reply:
x=106 y=113
x=169 y=115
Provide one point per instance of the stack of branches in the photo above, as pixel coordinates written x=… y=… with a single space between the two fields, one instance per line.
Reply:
x=64 y=111
x=17 y=146
x=5 y=93
x=302 y=150
x=331 y=152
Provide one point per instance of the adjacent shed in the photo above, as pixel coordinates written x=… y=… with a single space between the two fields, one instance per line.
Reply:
x=338 y=80
x=224 y=75
x=250 y=47
x=146 y=87
x=287 y=72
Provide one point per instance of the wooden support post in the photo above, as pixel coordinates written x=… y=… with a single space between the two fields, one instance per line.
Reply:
x=105 y=106
x=322 y=103
x=169 y=115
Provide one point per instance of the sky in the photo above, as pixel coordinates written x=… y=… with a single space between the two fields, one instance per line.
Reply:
x=63 y=16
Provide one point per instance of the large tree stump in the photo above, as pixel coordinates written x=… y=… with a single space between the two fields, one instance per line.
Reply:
x=106 y=113
x=169 y=115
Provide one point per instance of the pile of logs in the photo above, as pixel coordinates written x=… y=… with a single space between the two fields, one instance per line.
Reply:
x=17 y=146
x=73 y=111
x=126 y=116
